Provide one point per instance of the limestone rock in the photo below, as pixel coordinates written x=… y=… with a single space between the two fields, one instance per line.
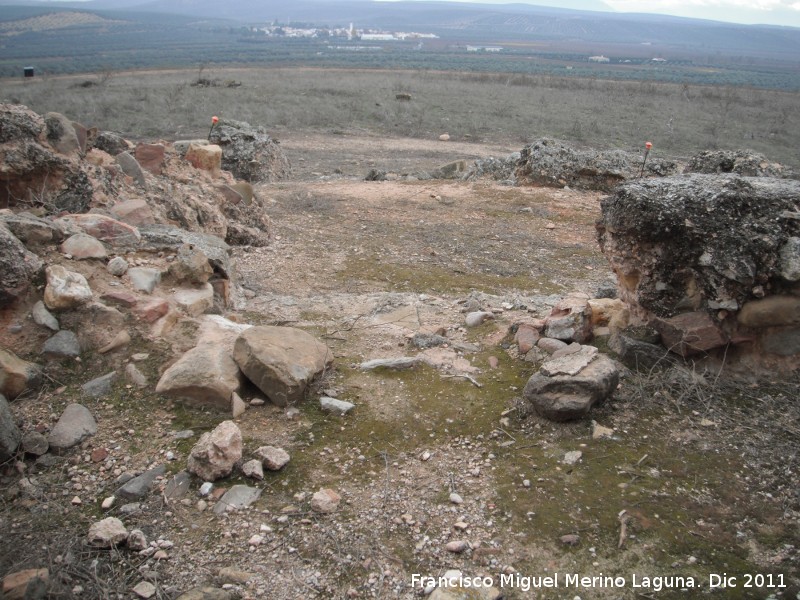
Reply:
x=476 y=318
x=325 y=500
x=568 y=397
x=191 y=265
x=249 y=152
x=570 y=320
x=195 y=301
x=17 y=375
x=117 y=266
x=18 y=267
x=335 y=406
x=144 y=279
x=281 y=361
x=75 y=425
x=10 y=435
x=216 y=452
x=206 y=375
x=741 y=162
x=65 y=289
x=107 y=533
x=42 y=316
x=207 y=157
x=272 y=458
x=253 y=469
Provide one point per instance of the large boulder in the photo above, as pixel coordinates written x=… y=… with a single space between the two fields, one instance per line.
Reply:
x=248 y=152
x=17 y=375
x=18 y=267
x=557 y=164
x=204 y=376
x=567 y=387
x=281 y=361
x=216 y=452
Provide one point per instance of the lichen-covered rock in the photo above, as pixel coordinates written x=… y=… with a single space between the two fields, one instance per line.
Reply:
x=65 y=289
x=557 y=164
x=740 y=162
x=18 y=267
x=248 y=152
x=697 y=242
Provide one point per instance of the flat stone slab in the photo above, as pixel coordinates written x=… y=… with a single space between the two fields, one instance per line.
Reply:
x=335 y=406
x=238 y=497
x=570 y=364
x=139 y=487
x=100 y=386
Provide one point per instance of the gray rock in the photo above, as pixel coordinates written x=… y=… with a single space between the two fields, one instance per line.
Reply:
x=238 y=497
x=139 y=487
x=204 y=376
x=18 y=267
x=741 y=162
x=63 y=344
x=281 y=361
x=335 y=406
x=74 y=426
x=130 y=166
x=60 y=133
x=117 y=266
x=100 y=386
x=555 y=163
x=137 y=540
x=638 y=355
x=10 y=435
x=784 y=342
x=131 y=508
x=43 y=317
x=190 y=265
x=253 y=469
x=569 y=397
x=427 y=340
x=17 y=376
x=178 y=486
x=476 y=318
x=135 y=376
x=399 y=363
x=34 y=443
x=248 y=152
x=551 y=345
x=195 y=301
x=110 y=142
x=31 y=230
x=107 y=533
x=144 y=279
x=216 y=452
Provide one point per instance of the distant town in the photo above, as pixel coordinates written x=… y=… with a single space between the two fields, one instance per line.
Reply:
x=349 y=33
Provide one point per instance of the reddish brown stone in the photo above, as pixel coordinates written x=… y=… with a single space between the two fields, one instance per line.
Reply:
x=99 y=455
x=526 y=337
x=134 y=212
x=690 y=333
x=150 y=157
x=151 y=310
x=102 y=227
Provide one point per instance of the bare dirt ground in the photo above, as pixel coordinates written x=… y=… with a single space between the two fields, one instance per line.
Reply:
x=698 y=477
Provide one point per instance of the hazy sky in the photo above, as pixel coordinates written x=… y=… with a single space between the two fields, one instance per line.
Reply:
x=773 y=12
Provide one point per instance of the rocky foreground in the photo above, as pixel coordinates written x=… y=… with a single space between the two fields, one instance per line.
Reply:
x=179 y=419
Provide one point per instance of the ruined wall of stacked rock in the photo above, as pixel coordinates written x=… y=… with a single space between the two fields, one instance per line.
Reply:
x=711 y=262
